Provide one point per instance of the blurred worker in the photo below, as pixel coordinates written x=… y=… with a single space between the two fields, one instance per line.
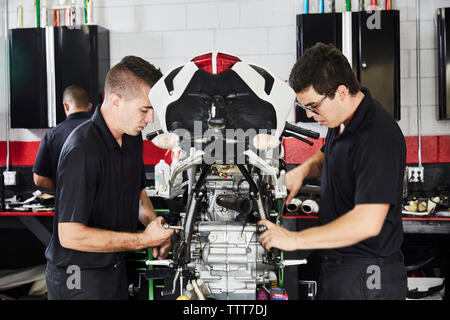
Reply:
x=361 y=167
x=100 y=179
x=77 y=107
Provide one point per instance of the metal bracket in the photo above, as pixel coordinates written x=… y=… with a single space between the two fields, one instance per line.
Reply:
x=37 y=228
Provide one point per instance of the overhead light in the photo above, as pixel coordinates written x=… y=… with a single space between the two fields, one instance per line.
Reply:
x=265 y=142
x=167 y=140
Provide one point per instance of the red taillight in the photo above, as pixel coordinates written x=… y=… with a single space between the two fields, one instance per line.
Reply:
x=223 y=62
x=204 y=62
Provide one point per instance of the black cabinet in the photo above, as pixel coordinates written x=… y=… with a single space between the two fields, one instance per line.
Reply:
x=313 y=28
x=82 y=59
x=376 y=56
x=375 y=50
x=43 y=62
x=28 y=78
x=443 y=50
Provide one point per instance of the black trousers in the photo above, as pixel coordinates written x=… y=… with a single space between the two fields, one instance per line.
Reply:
x=87 y=284
x=362 y=279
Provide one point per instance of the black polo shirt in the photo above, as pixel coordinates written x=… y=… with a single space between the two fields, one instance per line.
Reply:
x=365 y=164
x=51 y=144
x=99 y=184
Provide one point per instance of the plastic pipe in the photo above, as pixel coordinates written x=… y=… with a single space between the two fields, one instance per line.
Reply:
x=37 y=13
x=419 y=95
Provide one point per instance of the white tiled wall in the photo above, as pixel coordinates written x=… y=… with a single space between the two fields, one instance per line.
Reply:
x=170 y=32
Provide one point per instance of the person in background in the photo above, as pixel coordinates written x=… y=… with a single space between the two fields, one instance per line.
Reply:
x=77 y=107
x=361 y=167
x=100 y=180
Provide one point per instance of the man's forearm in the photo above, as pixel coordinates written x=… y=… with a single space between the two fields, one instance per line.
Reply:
x=362 y=222
x=337 y=234
x=82 y=238
x=313 y=166
x=353 y=227
x=44 y=182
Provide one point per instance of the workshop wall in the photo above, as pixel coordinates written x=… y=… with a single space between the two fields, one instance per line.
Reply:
x=170 y=32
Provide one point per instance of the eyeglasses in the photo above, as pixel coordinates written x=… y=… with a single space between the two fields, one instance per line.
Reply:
x=313 y=108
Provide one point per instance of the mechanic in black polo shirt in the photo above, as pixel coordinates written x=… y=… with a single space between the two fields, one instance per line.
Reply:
x=100 y=179
x=361 y=167
x=77 y=107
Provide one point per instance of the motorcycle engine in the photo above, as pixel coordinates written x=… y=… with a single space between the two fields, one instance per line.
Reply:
x=225 y=251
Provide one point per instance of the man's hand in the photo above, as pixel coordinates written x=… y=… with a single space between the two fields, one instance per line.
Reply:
x=294 y=181
x=162 y=251
x=277 y=237
x=157 y=236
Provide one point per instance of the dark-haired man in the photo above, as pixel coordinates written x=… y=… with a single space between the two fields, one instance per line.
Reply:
x=77 y=107
x=100 y=180
x=361 y=167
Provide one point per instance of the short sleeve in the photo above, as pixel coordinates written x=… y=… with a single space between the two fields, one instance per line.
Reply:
x=43 y=163
x=144 y=179
x=78 y=174
x=323 y=148
x=378 y=167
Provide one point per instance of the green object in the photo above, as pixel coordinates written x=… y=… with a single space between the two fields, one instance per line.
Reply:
x=37 y=4
x=348 y=5
x=151 y=290
x=138 y=260
x=281 y=275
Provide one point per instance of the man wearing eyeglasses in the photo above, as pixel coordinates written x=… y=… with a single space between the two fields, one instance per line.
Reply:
x=361 y=167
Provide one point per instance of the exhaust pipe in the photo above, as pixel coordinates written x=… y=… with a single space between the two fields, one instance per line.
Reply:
x=310 y=207
x=237 y=203
x=295 y=206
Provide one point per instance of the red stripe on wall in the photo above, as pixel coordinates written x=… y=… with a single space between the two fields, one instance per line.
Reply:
x=435 y=149
x=444 y=149
x=296 y=151
x=21 y=153
x=430 y=149
x=24 y=153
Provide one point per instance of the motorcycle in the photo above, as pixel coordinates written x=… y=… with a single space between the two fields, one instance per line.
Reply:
x=223 y=120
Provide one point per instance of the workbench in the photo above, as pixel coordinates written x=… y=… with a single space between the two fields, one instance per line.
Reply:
x=40 y=223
